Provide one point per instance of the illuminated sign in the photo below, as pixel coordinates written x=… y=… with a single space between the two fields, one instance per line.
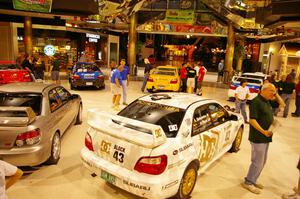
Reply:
x=33 y=5
x=92 y=36
x=49 y=50
x=93 y=40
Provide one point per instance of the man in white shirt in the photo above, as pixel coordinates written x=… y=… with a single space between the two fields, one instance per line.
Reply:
x=11 y=173
x=241 y=96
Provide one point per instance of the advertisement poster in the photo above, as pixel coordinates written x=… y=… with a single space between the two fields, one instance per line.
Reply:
x=180 y=16
x=33 y=5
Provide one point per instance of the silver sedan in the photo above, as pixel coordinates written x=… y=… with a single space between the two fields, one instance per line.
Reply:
x=33 y=117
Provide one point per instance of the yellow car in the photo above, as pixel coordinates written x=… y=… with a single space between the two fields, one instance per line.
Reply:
x=164 y=78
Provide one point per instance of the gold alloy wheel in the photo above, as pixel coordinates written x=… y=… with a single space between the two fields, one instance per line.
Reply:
x=189 y=180
x=238 y=138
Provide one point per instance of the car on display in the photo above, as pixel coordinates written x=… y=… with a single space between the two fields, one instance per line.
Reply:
x=33 y=117
x=85 y=74
x=156 y=146
x=11 y=72
x=253 y=84
x=164 y=78
x=256 y=75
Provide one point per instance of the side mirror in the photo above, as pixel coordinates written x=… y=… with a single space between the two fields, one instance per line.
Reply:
x=233 y=117
x=74 y=96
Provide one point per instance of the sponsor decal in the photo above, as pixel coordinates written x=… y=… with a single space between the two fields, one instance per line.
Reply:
x=169 y=185
x=157 y=133
x=119 y=153
x=137 y=186
x=119 y=148
x=175 y=152
x=173 y=127
x=105 y=146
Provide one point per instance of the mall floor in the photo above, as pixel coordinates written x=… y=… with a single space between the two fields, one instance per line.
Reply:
x=69 y=179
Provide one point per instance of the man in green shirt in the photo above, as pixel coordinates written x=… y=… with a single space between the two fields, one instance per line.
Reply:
x=261 y=118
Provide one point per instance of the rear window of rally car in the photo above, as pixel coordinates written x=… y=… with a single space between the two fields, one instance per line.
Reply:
x=168 y=117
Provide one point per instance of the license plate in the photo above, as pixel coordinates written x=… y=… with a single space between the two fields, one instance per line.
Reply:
x=161 y=87
x=89 y=83
x=108 y=177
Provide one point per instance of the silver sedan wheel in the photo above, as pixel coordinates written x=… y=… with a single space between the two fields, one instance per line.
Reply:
x=56 y=146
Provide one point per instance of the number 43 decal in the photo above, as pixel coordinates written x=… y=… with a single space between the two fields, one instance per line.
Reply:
x=119 y=156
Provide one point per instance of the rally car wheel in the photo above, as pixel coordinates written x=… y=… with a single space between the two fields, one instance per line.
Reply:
x=55 y=149
x=188 y=182
x=237 y=142
x=79 y=115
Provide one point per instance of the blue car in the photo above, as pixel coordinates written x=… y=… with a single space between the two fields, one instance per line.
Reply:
x=85 y=74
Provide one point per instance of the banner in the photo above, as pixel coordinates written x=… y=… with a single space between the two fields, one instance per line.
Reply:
x=180 y=16
x=33 y=5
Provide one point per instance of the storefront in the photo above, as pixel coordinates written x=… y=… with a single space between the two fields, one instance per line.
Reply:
x=69 y=46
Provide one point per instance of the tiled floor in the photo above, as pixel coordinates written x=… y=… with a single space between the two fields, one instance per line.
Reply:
x=68 y=179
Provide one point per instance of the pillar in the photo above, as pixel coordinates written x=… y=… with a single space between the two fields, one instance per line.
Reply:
x=229 y=53
x=28 y=35
x=132 y=43
x=240 y=56
x=8 y=41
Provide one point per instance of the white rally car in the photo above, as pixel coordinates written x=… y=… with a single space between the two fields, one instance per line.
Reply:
x=155 y=147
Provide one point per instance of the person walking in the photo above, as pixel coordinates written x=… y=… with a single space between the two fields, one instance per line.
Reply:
x=115 y=86
x=55 y=70
x=288 y=87
x=220 y=70
x=295 y=195
x=191 y=74
x=125 y=80
x=183 y=77
x=297 y=89
x=9 y=174
x=261 y=118
x=242 y=94
x=201 y=74
x=148 y=68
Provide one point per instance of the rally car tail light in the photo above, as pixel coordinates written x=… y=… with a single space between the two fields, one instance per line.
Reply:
x=152 y=165
x=174 y=81
x=88 y=142
x=28 y=138
x=26 y=76
x=254 y=90
x=232 y=87
x=100 y=77
x=150 y=79
x=75 y=77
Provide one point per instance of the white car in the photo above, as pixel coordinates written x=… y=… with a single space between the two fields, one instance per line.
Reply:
x=155 y=147
x=256 y=75
x=253 y=84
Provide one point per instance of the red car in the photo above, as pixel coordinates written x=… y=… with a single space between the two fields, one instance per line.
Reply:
x=11 y=72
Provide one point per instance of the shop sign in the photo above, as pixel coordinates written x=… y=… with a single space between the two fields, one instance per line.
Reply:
x=180 y=16
x=49 y=50
x=193 y=29
x=93 y=40
x=89 y=35
x=33 y=5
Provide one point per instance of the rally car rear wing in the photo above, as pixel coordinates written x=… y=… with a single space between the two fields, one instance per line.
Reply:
x=134 y=131
x=16 y=116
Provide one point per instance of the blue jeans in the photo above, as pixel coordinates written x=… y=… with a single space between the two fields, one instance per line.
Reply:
x=240 y=106
x=287 y=99
x=146 y=76
x=259 y=152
